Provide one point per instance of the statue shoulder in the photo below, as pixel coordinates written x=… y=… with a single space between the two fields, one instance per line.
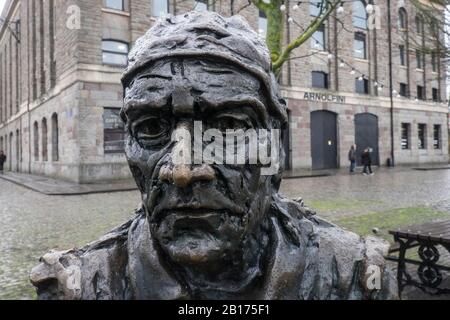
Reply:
x=93 y=272
x=341 y=264
x=357 y=262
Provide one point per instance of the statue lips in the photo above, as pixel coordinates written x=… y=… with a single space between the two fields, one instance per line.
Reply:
x=196 y=220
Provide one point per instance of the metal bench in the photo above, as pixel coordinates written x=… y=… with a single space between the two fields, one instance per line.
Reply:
x=427 y=238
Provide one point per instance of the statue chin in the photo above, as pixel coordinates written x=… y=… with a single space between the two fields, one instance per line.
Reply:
x=196 y=240
x=195 y=249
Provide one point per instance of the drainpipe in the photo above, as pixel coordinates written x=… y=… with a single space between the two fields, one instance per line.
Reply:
x=29 y=93
x=391 y=85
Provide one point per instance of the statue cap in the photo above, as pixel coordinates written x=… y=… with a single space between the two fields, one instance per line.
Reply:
x=211 y=36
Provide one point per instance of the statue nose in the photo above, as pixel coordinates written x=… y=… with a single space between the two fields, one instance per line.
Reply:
x=183 y=175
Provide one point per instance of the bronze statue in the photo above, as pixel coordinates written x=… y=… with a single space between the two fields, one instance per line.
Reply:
x=208 y=230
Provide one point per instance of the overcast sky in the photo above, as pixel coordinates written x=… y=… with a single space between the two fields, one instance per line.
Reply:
x=2 y=3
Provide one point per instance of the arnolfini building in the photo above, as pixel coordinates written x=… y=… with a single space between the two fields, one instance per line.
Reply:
x=60 y=94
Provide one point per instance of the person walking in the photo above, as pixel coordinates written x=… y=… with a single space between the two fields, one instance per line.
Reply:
x=367 y=162
x=2 y=161
x=352 y=158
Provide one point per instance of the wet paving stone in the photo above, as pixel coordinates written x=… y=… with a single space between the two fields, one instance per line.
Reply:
x=33 y=223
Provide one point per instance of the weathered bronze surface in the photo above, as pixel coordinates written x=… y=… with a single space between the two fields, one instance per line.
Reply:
x=210 y=231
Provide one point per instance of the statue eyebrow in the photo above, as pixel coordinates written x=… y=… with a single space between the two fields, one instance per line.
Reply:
x=153 y=76
x=136 y=108
x=239 y=101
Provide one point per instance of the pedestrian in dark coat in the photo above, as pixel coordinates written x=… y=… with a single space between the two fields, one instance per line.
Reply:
x=367 y=162
x=2 y=160
x=352 y=158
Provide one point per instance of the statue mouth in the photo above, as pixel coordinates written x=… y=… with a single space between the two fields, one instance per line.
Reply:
x=199 y=218
x=197 y=223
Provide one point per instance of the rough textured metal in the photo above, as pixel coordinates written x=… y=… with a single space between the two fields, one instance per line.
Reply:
x=210 y=231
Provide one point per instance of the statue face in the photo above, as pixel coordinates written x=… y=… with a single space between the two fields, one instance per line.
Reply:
x=197 y=213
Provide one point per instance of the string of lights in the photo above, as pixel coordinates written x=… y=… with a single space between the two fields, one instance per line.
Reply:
x=360 y=76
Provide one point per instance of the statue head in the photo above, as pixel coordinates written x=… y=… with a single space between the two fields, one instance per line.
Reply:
x=190 y=79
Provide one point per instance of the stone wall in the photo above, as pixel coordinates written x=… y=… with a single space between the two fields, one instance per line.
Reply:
x=65 y=75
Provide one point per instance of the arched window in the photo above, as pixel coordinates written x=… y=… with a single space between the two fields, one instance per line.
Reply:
x=359 y=14
x=419 y=25
x=10 y=151
x=36 y=141
x=44 y=140
x=18 y=149
x=402 y=19
x=55 y=138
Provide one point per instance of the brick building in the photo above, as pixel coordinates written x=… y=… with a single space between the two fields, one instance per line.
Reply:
x=60 y=93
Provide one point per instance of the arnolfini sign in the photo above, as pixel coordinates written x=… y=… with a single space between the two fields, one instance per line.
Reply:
x=323 y=97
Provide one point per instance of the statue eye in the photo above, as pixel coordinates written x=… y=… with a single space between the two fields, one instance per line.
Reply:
x=151 y=129
x=225 y=123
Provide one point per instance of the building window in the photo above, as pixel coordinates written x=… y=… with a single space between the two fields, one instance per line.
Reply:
x=160 y=8
x=262 y=24
x=36 y=141
x=433 y=29
x=422 y=134
x=360 y=45
x=435 y=92
x=419 y=25
x=44 y=140
x=315 y=7
x=114 y=131
x=18 y=148
x=115 y=4
x=115 y=53
x=437 y=137
x=405 y=135
x=319 y=79
x=55 y=138
x=318 y=39
x=434 y=62
x=420 y=93
x=359 y=15
x=402 y=55
x=403 y=89
x=362 y=86
x=201 y=5
x=419 y=60
x=402 y=19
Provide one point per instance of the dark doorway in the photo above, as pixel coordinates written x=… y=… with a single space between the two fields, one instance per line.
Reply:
x=287 y=143
x=324 y=140
x=17 y=150
x=366 y=131
x=10 y=151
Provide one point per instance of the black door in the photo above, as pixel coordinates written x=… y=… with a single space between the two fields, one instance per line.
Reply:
x=366 y=130
x=323 y=140
x=287 y=143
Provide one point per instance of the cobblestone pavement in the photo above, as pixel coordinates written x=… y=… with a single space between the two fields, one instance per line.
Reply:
x=33 y=223
x=387 y=189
